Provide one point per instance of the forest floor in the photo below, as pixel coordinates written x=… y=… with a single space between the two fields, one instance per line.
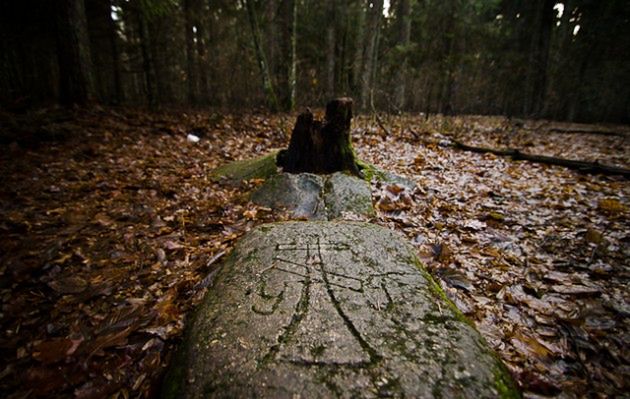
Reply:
x=109 y=222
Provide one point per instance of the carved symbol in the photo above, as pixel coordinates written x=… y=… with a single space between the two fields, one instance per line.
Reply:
x=320 y=331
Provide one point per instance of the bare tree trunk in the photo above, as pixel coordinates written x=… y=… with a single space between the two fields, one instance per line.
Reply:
x=191 y=54
x=260 y=56
x=357 y=62
x=147 y=61
x=75 y=63
x=373 y=27
x=293 y=56
x=119 y=89
x=330 y=49
x=202 y=57
x=287 y=67
x=446 y=83
x=404 y=35
x=272 y=39
x=536 y=78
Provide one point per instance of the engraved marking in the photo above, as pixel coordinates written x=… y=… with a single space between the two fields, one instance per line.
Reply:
x=374 y=356
x=277 y=299
x=312 y=271
x=298 y=313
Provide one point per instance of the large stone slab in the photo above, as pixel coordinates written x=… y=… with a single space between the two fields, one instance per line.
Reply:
x=316 y=197
x=330 y=309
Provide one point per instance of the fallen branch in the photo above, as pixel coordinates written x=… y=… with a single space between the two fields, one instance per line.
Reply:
x=582 y=166
x=577 y=130
x=566 y=128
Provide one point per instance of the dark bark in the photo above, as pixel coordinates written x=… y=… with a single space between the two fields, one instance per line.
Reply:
x=330 y=48
x=75 y=63
x=287 y=68
x=102 y=31
x=148 y=66
x=317 y=147
x=202 y=61
x=580 y=166
x=404 y=37
x=542 y=22
x=357 y=59
x=260 y=56
x=191 y=54
x=369 y=61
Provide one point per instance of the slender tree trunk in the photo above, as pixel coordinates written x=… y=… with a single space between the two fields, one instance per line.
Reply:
x=191 y=54
x=373 y=27
x=119 y=90
x=287 y=66
x=292 y=79
x=357 y=62
x=75 y=64
x=542 y=20
x=330 y=48
x=446 y=84
x=104 y=46
x=343 y=67
x=260 y=56
x=404 y=35
x=202 y=57
x=147 y=61
x=271 y=42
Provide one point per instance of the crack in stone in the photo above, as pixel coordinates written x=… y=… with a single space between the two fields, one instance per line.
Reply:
x=390 y=302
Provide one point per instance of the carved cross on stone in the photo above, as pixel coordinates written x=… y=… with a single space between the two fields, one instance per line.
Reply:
x=337 y=340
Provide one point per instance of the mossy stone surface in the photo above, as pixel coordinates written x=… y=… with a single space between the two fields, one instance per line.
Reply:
x=262 y=167
x=373 y=172
x=316 y=197
x=301 y=194
x=330 y=309
x=347 y=194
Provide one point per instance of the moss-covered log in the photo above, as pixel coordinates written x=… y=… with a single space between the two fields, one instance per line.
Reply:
x=322 y=147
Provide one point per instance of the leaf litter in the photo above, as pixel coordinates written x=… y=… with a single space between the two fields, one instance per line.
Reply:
x=112 y=232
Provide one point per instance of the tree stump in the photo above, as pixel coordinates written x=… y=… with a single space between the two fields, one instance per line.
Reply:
x=322 y=148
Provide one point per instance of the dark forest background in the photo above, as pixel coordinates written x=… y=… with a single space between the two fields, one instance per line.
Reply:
x=566 y=60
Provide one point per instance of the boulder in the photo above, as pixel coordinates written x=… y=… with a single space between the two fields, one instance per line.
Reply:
x=301 y=194
x=330 y=309
x=316 y=197
x=347 y=194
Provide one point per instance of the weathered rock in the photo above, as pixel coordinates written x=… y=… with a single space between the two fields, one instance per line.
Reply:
x=257 y=168
x=316 y=197
x=330 y=309
x=372 y=172
x=301 y=194
x=344 y=193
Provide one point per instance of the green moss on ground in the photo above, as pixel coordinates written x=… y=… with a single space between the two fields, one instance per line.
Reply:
x=257 y=168
x=370 y=171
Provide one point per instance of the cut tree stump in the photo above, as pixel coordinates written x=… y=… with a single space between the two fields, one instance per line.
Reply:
x=322 y=147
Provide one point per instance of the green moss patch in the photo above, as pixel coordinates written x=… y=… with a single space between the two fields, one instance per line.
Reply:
x=257 y=168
